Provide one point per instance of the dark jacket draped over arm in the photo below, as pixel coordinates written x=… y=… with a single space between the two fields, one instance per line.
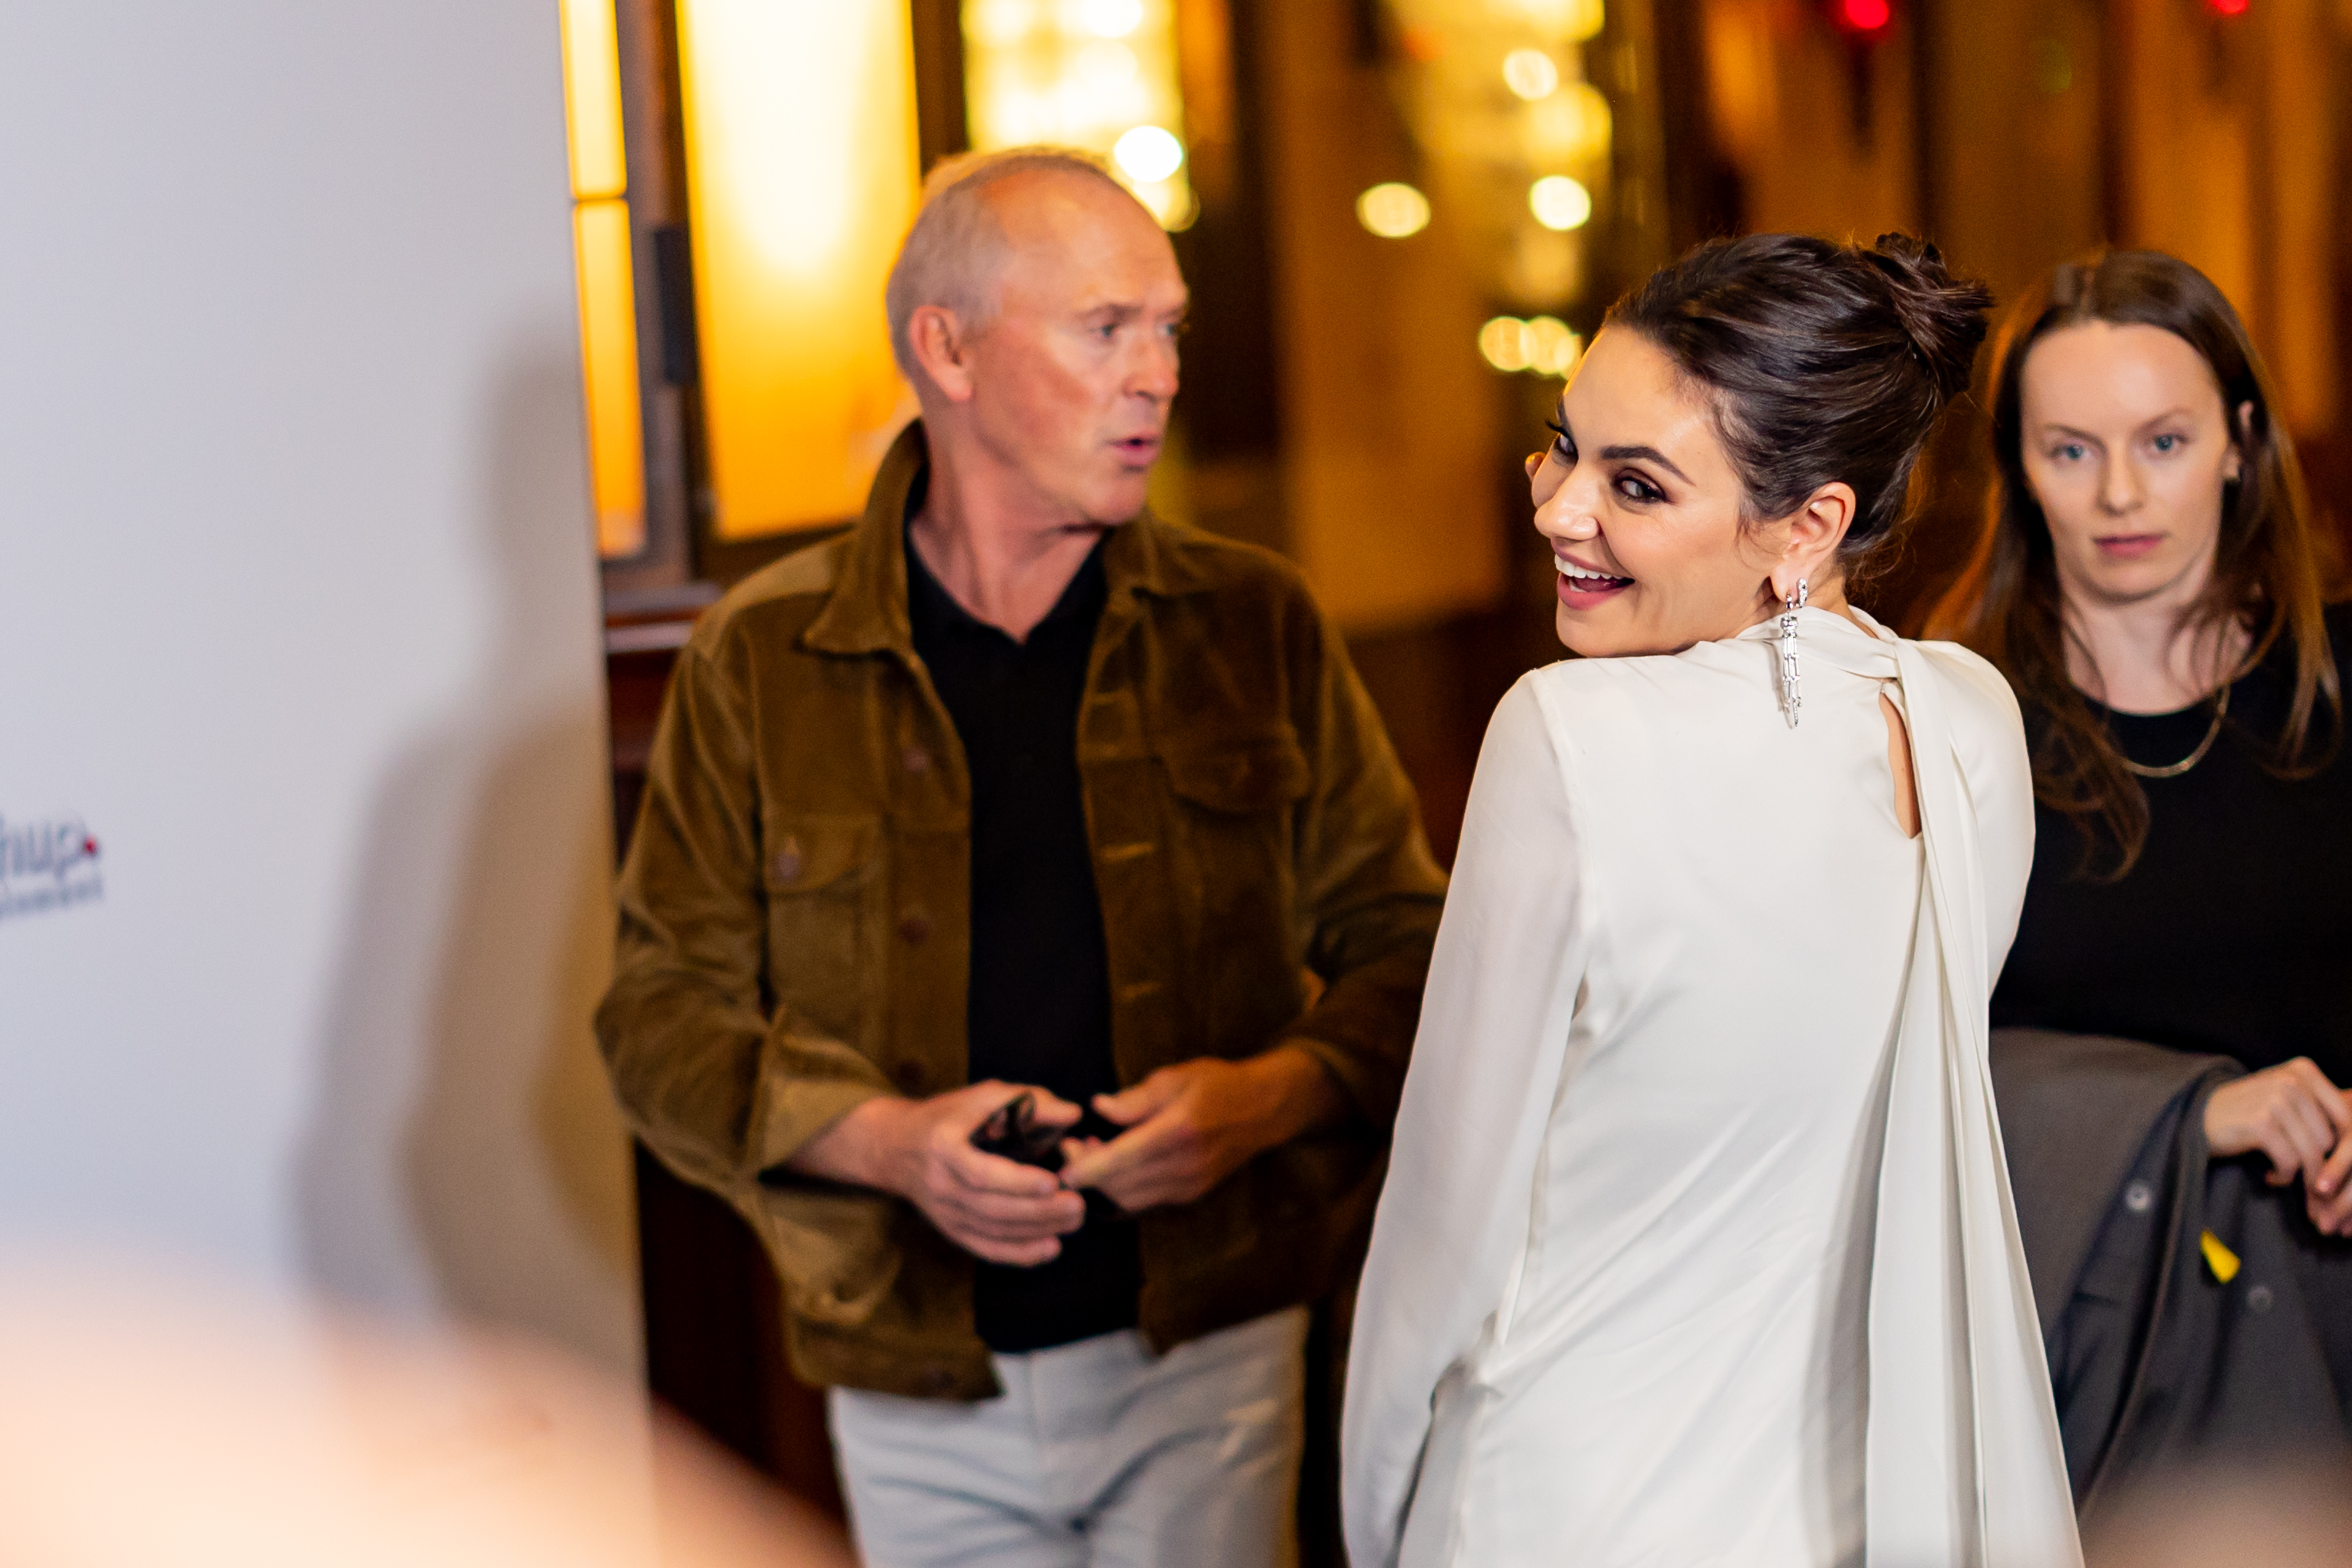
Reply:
x=2166 y=1348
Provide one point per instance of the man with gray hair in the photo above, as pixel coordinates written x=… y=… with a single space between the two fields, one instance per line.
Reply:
x=1026 y=929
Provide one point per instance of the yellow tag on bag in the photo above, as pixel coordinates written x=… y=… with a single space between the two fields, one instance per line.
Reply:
x=2217 y=1257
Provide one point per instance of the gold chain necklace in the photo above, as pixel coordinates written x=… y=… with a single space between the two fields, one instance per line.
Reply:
x=2174 y=770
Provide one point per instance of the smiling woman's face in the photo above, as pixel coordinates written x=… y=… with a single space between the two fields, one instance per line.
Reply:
x=1640 y=506
x=2127 y=446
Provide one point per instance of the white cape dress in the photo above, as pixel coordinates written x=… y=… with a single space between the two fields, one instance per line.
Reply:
x=1697 y=1243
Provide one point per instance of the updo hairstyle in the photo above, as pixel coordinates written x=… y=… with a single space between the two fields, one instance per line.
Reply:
x=1823 y=363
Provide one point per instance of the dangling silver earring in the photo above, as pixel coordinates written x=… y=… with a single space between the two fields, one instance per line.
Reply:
x=1789 y=699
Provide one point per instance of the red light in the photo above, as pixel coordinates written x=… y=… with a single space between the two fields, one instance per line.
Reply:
x=2228 y=7
x=1870 y=16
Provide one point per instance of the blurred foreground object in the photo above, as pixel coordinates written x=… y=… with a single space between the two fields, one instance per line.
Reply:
x=2295 y=1519
x=147 y=1422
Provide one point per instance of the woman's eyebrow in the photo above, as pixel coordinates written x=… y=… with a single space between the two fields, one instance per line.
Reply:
x=1645 y=454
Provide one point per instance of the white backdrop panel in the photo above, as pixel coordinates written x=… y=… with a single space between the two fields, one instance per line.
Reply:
x=297 y=616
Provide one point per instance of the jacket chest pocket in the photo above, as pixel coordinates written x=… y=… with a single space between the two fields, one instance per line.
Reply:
x=821 y=875
x=1234 y=803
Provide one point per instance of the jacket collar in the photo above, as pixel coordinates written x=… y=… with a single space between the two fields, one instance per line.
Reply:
x=866 y=611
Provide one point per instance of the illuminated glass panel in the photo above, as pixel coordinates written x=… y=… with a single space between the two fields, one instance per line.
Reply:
x=592 y=78
x=608 y=307
x=802 y=167
x=608 y=352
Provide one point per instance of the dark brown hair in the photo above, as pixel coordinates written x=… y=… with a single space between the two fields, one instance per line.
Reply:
x=2007 y=605
x=1825 y=362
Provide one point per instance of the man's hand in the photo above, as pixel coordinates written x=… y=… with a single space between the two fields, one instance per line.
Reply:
x=993 y=1208
x=2302 y=1123
x=1192 y=1125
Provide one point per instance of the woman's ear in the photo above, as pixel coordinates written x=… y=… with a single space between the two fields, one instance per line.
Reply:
x=1815 y=531
x=2241 y=439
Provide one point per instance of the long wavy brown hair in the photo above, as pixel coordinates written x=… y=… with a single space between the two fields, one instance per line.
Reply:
x=2007 y=604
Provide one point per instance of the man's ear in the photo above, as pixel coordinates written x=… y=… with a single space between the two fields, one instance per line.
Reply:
x=943 y=347
x=1815 y=531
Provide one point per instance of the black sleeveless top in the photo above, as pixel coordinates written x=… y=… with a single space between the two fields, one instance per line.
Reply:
x=2232 y=934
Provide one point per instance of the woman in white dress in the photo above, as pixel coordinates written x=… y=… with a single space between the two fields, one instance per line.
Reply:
x=1698 y=1246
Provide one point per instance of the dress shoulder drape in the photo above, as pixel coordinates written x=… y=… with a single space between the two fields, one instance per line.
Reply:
x=1639 y=831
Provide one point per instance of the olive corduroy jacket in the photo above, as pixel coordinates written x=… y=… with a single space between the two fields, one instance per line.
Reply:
x=794 y=934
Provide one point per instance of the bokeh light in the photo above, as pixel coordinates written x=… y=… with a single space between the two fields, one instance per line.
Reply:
x=1110 y=18
x=996 y=23
x=1506 y=343
x=1572 y=21
x=1531 y=73
x=1392 y=211
x=1559 y=203
x=1866 y=16
x=1107 y=68
x=1552 y=348
x=1097 y=74
x=1150 y=154
x=1571 y=126
x=1544 y=346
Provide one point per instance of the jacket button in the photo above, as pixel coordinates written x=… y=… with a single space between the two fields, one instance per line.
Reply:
x=917 y=759
x=937 y=1382
x=914 y=925
x=909 y=1076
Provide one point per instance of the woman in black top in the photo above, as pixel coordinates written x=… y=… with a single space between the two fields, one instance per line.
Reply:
x=2148 y=586
x=2231 y=932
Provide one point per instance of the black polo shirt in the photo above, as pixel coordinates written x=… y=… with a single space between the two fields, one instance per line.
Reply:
x=1038 y=1008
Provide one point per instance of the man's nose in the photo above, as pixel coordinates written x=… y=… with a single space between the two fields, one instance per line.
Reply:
x=1152 y=373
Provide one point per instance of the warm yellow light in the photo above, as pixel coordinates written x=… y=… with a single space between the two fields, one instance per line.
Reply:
x=1106 y=69
x=1570 y=127
x=1110 y=18
x=1392 y=211
x=591 y=100
x=1149 y=154
x=1507 y=343
x=998 y=22
x=1559 y=203
x=1544 y=345
x=608 y=305
x=1531 y=73
x=1552 y=348
x=1094 y=74
x=800 y=164
x=1570 y=21
x=608 y=355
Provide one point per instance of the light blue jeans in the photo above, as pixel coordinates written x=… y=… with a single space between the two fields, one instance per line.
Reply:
x=1098 y=1455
